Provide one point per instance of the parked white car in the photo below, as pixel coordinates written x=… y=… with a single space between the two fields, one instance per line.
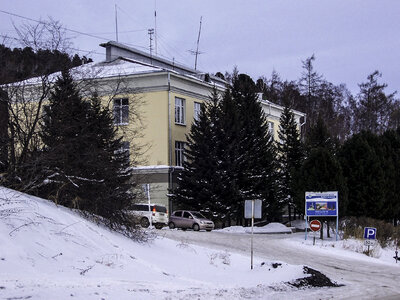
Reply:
x=142 y=212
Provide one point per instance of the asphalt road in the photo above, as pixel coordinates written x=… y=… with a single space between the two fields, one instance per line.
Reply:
x=362 y=279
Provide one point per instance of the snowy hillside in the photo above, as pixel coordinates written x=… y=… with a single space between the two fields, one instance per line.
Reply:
x=50 y=252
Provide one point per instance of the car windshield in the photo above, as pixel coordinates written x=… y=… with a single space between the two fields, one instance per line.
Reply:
x=198 y=215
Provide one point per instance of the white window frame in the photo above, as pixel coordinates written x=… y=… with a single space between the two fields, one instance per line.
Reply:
x=179 y=153
x=196 y=110
x=180 y=111
x=121 y=111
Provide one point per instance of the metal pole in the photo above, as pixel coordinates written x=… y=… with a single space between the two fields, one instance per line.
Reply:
x=306 y=227
x=252 y=226
x=148 y=197
x=116 y=23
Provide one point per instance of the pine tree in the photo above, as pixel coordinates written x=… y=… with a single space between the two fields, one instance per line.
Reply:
x=82 y=162
x=290 y=156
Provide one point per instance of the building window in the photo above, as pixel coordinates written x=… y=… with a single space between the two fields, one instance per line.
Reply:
x=179 y=153
x=271 y=129
x=197 y=108
x=121 y=111
x=180 y=111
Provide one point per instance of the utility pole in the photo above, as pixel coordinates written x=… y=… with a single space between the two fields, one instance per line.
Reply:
x=116 y=23
x=197 y=52
x=197 y=49
x=151 y=32
x=155 y=25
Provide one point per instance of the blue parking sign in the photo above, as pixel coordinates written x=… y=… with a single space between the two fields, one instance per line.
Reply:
x=369 y=233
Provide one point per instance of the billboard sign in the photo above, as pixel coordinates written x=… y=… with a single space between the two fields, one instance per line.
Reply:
x=322 y=204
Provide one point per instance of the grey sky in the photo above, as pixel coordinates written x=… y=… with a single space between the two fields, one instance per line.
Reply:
x=350 y=38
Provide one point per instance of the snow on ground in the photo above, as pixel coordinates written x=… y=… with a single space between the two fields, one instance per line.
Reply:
x=49 y=252
x=344 y=248
x=269 y=228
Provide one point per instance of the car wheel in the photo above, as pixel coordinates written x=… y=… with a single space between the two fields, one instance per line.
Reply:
x=171 y=225
x=159 y=226
x=144 y=222
x=196 y=227
x=208 y=230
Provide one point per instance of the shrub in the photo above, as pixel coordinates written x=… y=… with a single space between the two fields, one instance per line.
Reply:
x=353 y=227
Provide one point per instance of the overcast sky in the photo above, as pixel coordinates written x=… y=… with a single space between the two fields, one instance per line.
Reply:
x=350 y=38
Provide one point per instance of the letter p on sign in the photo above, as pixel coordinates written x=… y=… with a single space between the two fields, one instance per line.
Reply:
x=369 y=233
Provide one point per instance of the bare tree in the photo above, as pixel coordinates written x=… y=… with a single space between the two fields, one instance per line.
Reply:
x=46 y=34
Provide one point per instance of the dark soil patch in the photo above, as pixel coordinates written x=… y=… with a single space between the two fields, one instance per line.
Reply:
x=317 y=279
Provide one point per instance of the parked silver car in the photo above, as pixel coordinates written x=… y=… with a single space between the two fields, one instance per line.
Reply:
x=190 y=219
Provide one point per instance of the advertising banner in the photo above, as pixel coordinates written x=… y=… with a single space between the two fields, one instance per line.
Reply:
x=321 y=204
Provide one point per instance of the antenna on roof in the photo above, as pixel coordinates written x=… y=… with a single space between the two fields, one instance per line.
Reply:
x=155 y=24
x=197 y=52
x=116 y=24
x=151 y=32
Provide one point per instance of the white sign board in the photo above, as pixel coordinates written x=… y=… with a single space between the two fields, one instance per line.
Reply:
x=369 y=242
x=248 y=209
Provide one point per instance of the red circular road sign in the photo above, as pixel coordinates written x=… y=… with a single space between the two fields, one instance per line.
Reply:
x=315 y=225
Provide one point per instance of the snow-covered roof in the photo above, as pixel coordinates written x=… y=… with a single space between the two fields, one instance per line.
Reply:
x=119 y=67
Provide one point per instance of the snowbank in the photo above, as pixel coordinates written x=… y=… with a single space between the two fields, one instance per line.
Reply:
x=49 y=252
x=269 y=228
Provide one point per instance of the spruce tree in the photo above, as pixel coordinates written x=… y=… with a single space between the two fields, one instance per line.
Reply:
x=362 y=166
x=230 y=156
x=252 y=163
x=390 y=143
x=290 y=156
x=82 y=162
x=199 y=183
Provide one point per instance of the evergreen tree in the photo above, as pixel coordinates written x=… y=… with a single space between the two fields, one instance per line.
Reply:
x=250 y=151
x=82 y=162
x=374 y=108
x=361 y=160
x=321 y=172
x=391 y=166
x=290 y=156
x=231 y=157
x=199 y=183
x=318 y=136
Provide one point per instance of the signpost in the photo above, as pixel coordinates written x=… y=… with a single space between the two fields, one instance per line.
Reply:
x=369 y=236
x=146 y=188
x=315 y=226
x=322 y=204
x=252 y=209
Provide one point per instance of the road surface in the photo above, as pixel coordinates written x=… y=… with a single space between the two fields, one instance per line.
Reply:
x=362 y=279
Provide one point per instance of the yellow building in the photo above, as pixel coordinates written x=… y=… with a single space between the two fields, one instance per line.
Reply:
x=155 y=102
x=170 y=96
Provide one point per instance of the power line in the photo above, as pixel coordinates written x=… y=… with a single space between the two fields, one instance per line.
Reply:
x=67 y=29
x=43 y=22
